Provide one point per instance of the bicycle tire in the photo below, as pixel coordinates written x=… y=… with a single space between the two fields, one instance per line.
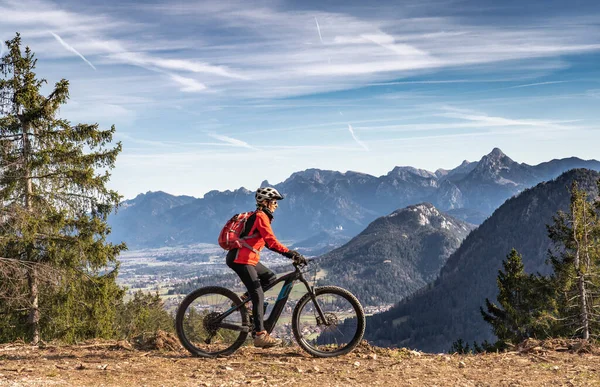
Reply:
x=306 y=300
x=180 y=322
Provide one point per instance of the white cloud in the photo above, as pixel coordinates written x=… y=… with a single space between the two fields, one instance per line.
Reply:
x=388 y=42
x=594 y=93
x=268 y=55
x=221 y=63
x=483 y=119
x=231 y=141
x=189 y=85
x=283 y=64
x=145 y=60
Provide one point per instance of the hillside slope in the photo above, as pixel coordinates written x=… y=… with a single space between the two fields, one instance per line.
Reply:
x=448 y=309
x=396 y=254
x=109 y=364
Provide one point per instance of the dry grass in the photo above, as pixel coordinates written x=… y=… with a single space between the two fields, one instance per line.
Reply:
x=105 y=363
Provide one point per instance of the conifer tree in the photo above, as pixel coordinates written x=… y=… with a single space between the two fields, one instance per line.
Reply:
x=525 y=304
x=144 y=313
x=54 y=202
x=576 y=264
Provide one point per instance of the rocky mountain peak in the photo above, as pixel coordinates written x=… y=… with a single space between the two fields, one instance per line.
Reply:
x=317 y=175
x=323 y=199
x=496 y=166
x=220 y=194
x=150 y=194
x=497 y=153
x=451 y=307
x=495 y=158
x=403 y=171
x=155 y=202
x=425 y=214
x=462 y=170
x=404 y=250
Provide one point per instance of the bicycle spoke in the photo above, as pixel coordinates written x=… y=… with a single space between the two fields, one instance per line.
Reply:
x=339 y=331
x=198 y=325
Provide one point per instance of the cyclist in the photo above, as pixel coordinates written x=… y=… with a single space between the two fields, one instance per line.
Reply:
x=245 y=261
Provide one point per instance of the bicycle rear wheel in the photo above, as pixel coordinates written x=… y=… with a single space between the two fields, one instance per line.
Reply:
x=342 y=330
x=196 y=327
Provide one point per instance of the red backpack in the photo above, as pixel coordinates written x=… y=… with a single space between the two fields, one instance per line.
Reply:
x=229 y=238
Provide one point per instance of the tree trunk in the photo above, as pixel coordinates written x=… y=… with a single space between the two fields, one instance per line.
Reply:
x=34 y=311
x=585 y=323
x=580 y=274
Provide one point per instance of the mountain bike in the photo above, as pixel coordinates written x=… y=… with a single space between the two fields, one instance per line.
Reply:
x=327 y=321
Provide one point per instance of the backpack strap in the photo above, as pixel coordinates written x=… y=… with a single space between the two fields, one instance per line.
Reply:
x=243 y=239
x=246 y=245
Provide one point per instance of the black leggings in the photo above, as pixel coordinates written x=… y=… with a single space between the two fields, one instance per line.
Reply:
x=255 y=278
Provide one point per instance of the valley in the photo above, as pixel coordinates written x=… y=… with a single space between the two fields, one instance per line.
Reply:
x=408 y=260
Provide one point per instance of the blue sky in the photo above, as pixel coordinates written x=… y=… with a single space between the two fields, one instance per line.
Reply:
x=221 y=94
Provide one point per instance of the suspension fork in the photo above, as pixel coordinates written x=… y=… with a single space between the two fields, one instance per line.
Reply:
x=313 y=296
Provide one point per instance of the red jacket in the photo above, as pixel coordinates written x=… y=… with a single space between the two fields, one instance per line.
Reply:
x=261 y=234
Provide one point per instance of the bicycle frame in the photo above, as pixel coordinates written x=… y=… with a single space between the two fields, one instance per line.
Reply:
x=288 y=283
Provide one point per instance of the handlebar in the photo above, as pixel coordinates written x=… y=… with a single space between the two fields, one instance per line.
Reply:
x=305 y=263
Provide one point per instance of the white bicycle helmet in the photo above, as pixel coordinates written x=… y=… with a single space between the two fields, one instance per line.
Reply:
x=267 y=193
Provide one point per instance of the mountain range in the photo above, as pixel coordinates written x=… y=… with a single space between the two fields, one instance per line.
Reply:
x=320 y=204
x=448 y=309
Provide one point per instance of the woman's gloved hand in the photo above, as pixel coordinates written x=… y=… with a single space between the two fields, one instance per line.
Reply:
x=295 y=256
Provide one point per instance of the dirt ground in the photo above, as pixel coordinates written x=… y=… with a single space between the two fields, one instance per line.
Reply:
x=119 y=364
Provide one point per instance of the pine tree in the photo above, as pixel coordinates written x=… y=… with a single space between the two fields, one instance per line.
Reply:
x=144 y=313
x=525 y=304
x=81 y=307
x=53 y=176
x=576 y=264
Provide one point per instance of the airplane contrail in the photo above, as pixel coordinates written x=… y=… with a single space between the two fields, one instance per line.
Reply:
x=365 y=147
x=537 y=84
x=70 y=48
x=319 y=30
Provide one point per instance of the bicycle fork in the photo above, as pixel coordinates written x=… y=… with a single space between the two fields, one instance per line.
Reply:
x=321 y=318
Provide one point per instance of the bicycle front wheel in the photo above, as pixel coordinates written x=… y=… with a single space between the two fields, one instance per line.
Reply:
x=341 y=330
x=199 y=331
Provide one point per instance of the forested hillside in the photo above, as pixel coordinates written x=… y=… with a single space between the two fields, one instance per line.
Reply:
x=448 y=309
x=395 y=255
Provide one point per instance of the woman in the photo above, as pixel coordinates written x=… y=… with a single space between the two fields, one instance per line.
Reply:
x=245 y=261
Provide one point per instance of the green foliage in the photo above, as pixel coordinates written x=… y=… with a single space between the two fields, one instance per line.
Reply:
x=55 y=204
x=392 y=258
x=227 y=280
x=526 y=302
x=13 y=324
x=142 y=314
x=79 y=308
x=461 y=347
x=449 y=308
x=576 y=264
x=565 y=303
